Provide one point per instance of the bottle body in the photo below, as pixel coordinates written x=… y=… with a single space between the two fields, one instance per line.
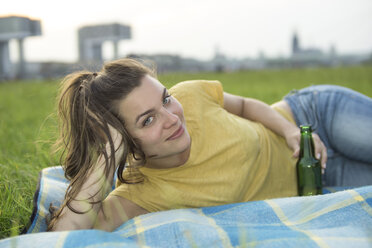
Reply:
x=309 y=175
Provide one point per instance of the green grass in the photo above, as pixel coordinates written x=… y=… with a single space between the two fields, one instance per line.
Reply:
x=28 y=124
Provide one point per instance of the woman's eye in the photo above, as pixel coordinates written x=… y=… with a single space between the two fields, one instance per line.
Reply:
x=166 y=100
x=148 y=121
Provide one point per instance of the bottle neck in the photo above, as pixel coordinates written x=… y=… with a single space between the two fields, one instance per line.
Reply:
x=307 y=145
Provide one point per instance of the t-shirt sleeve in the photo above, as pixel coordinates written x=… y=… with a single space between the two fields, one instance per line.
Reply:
x=215 y=90
x=212 y=89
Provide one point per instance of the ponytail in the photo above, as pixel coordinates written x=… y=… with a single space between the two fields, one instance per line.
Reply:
x=87 y=106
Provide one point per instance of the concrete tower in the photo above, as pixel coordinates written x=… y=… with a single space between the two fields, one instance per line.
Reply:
x=15 y=27
x=91 y=39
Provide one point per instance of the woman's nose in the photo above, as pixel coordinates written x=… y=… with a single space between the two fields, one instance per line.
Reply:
x=170 y=119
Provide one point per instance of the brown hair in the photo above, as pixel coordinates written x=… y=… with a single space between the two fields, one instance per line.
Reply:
x=87 y=106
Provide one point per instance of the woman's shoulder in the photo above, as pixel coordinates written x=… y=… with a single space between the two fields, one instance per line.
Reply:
x=195 y=88
x=195 y=84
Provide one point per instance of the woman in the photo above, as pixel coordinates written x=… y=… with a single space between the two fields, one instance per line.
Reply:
x=191 y=146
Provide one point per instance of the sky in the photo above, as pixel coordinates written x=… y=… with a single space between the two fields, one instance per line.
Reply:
x=197 y=28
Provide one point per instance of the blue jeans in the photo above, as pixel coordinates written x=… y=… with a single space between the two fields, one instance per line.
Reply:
x=343 y=120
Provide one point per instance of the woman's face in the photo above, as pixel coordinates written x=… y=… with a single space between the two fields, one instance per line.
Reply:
x=156 y=119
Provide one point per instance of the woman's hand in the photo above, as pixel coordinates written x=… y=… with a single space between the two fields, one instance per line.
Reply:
x=95 y=188
x=293 y=139
x=258 y=111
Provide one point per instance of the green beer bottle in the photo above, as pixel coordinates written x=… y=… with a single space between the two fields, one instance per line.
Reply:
x=309 y=176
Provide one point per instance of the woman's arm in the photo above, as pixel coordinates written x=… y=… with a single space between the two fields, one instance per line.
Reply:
x=258 y=111
x=109 y=212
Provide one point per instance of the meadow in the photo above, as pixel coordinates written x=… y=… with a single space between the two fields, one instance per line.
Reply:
x=28 y=124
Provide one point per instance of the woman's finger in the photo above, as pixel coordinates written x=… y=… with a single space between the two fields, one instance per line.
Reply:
x=320 y=150
x=296 y=152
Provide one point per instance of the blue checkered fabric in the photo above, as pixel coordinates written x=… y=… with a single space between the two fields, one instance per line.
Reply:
x=339 y=219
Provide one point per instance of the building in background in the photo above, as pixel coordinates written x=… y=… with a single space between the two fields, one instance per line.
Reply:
x=19 y=28
x=91 y=39
x=90 y=46
x=312 y=56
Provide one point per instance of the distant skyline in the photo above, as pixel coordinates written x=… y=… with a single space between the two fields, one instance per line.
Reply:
x=196 y=28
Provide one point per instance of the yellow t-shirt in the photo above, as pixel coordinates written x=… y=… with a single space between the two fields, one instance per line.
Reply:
x=232 y=159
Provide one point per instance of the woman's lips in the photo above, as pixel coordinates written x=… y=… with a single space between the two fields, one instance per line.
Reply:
x=177 y=133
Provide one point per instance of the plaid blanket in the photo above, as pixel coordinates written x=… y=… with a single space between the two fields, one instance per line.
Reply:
x=340 y=219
